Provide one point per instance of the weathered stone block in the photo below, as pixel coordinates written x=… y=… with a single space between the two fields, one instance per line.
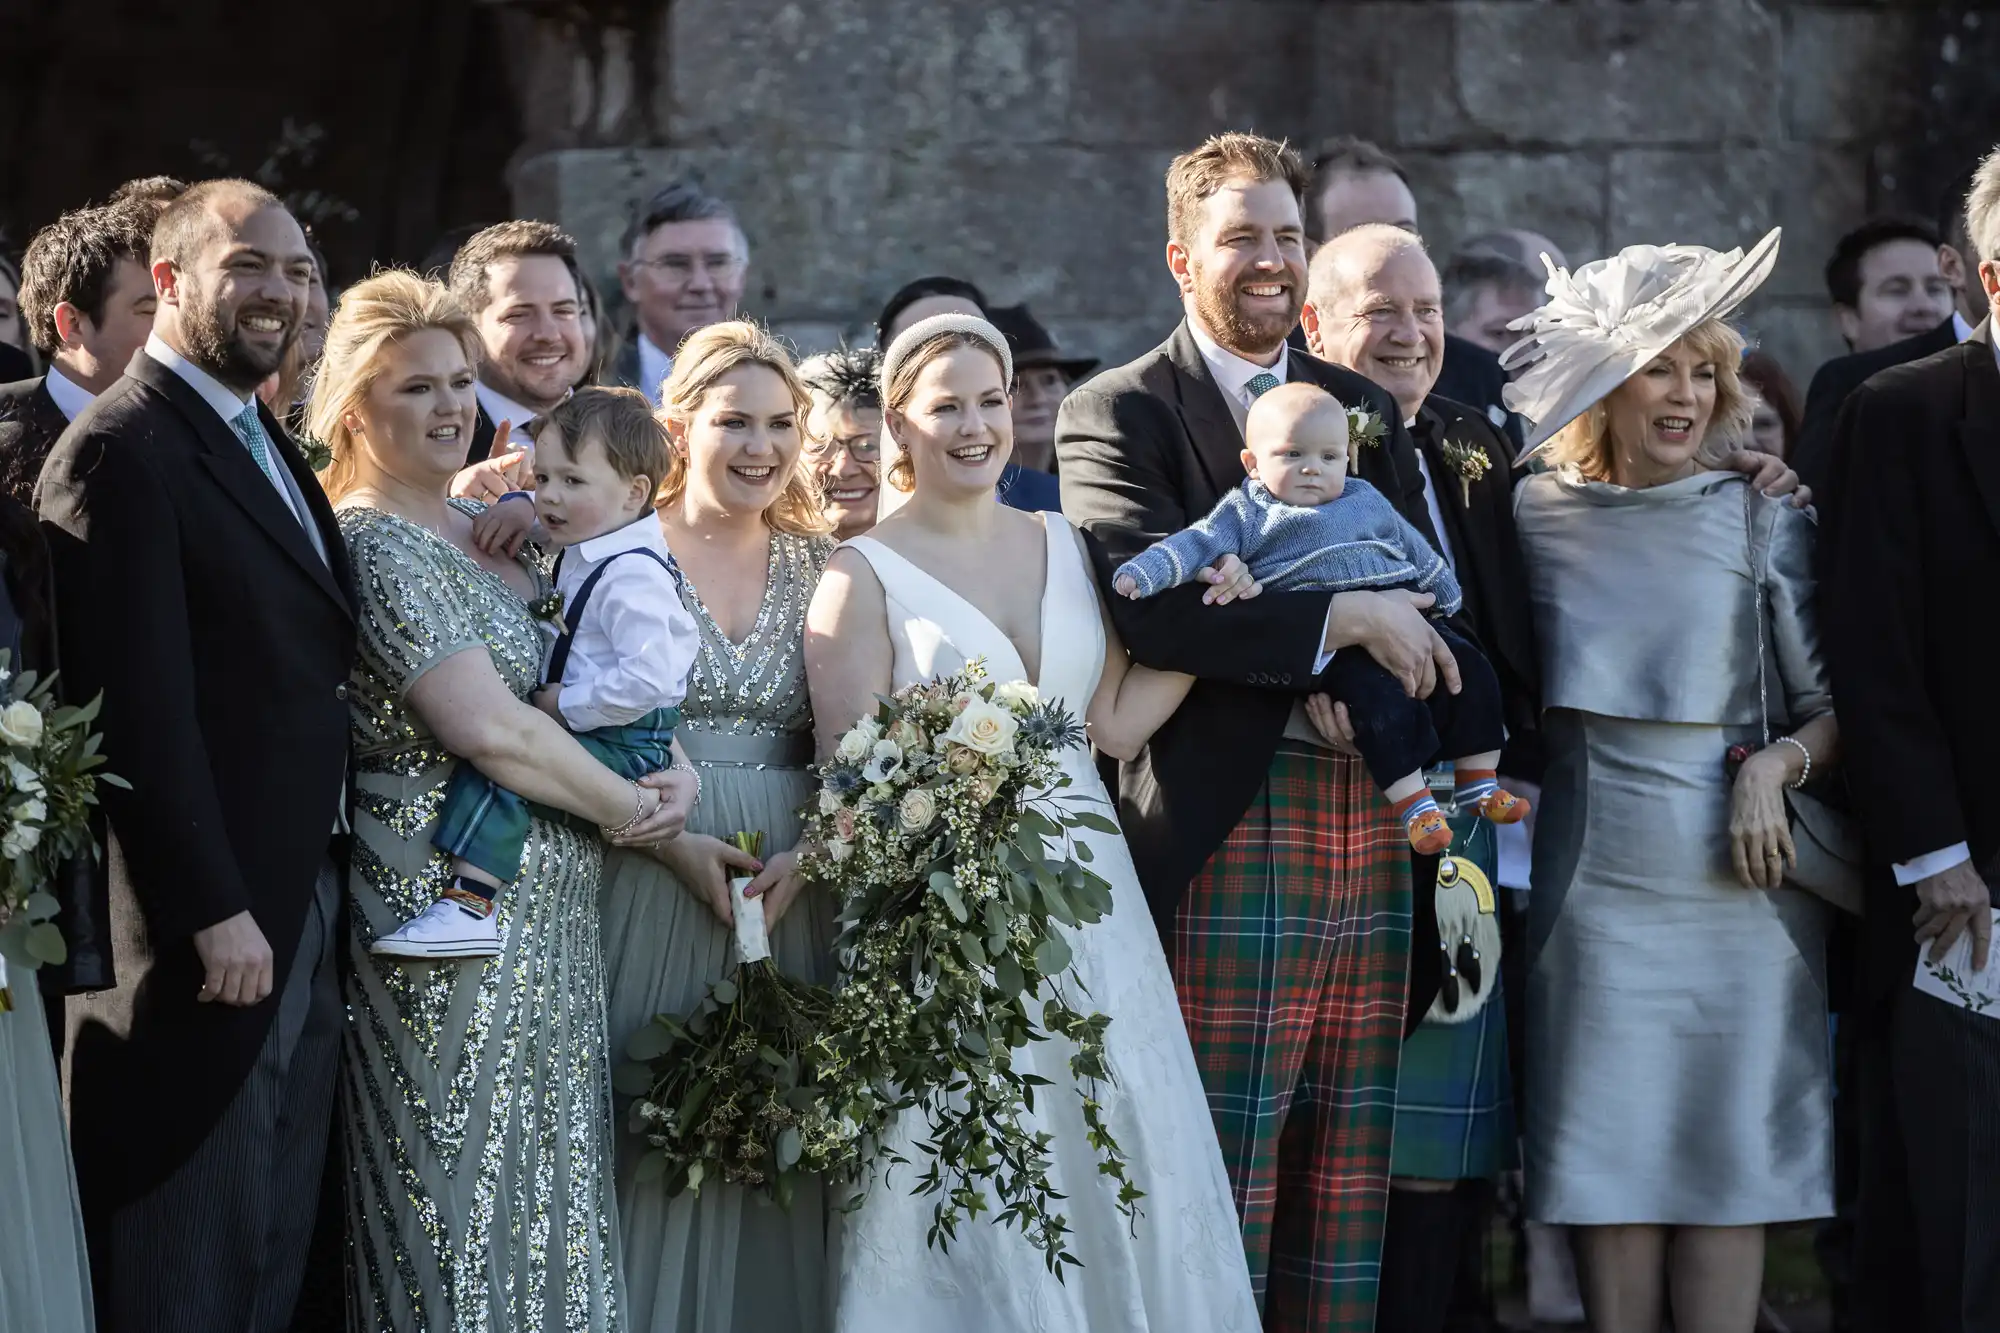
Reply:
x=1558 y=194
x=1383 y=70
x=867 y=73
x=1822 y=191
x=1846 y=72
x=1720 y=198
x=1649 y=72
x=1168 y=73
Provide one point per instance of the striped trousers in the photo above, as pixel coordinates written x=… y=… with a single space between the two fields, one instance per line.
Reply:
x=1291 y=952
x=221 y=1246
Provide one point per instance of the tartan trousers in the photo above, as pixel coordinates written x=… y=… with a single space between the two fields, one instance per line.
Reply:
x=487 y=825
x=1290 y=951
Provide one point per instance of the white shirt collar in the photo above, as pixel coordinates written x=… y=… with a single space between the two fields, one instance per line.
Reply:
x=641 y=534
x=224 y=401
x=499 y=407
x=654 y=367
x=1232 y=373
x=1959 y=328
x=69 y=396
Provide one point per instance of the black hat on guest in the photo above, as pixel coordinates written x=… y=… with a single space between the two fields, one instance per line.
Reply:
x=1032 y=344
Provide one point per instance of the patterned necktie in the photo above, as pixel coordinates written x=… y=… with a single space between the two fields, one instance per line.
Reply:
x=1261 y=383
x=249 y=428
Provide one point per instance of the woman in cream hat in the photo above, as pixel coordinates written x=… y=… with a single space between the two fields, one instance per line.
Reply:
x=1678 y=1090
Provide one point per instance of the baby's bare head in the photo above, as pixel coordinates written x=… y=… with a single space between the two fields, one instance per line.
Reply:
x=1295 y=442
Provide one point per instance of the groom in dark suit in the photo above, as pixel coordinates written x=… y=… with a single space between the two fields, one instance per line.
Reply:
x=1278 y=875
x=210 y=603
x=1916 y=528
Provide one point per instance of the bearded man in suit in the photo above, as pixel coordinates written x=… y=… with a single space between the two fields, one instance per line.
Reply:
x=215 y=615
x=1278 y=875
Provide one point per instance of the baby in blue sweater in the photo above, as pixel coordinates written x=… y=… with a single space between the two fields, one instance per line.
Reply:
x=1302 y=524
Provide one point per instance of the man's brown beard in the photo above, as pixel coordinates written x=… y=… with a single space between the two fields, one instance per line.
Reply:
x=220 y=352
x=1245 y=336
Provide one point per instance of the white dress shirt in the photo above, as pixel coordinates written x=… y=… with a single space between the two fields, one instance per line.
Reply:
x=635 y=643
x=1937 y=862
x=1431 y=503
x=654 y=367
x=70 y=397
x=227 y=404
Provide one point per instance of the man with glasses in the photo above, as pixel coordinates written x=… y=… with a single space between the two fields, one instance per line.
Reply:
x=685 y=261
x=844 y=435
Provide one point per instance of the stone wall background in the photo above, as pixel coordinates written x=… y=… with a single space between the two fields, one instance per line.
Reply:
x=1021 y=143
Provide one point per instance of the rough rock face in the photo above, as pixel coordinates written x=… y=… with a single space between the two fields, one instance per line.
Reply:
x=1021 y=143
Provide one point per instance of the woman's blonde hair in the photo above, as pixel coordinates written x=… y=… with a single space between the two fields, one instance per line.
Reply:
x=903 y=382
x=372 y=315
x=1585 y=444
x=708 y=355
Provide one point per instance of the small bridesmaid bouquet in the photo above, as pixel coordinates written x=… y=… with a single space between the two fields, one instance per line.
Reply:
x=728 y=1091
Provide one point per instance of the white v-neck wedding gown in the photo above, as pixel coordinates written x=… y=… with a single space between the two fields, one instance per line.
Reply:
x=1181 y=1268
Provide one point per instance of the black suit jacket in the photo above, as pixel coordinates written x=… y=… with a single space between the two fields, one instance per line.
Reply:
x=15 y=364
x=1146 y=449
x=1490 y=568
x=1904 y=591
x=30 y=423
x=222 y=645
x=1834 y=381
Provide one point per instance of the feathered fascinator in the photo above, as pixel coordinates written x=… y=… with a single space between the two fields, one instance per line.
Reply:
x=1605 y=321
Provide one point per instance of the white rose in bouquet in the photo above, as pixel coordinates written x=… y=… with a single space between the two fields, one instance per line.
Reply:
x=985 y=727
x=854 y=746
x=20 y=840
x=32 y=811
x=1017 y=692
x=917 y=809
x=21 y=724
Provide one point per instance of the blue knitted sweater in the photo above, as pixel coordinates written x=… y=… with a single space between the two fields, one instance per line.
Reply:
x=1358 y=541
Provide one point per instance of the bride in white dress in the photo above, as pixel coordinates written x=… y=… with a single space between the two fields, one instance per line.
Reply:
x=954 y=576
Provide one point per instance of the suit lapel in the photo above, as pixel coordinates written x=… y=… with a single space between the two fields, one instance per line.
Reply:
x=1979 y=430
x=228 y=461
x=1218 y=441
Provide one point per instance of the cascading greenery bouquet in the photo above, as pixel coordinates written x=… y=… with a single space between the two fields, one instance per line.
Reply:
x=956 y=870
x=49 y=771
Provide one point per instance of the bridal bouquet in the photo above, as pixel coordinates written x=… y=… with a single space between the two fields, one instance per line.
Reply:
x=954 y=867
x=49 y=771
x=728 y=1090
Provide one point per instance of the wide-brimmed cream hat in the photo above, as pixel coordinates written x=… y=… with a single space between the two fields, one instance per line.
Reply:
x=1605 y=321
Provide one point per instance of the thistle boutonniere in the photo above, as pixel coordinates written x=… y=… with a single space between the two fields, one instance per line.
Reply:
x=1364 y=428
x=548 y=607
x=1469 y=459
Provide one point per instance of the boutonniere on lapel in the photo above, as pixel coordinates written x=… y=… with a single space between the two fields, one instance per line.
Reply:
x=1469 y=459
x=548 y=607
x=1364 y=428
x=317 y=455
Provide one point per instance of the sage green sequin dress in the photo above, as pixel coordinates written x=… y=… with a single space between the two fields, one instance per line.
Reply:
x=476 y=1095
x=724 y=1261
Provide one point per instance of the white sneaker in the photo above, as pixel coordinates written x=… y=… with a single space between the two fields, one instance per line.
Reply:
x=443 y=930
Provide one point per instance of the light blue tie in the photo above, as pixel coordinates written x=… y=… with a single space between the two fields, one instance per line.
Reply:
x=249 y=428
x=1261 y=383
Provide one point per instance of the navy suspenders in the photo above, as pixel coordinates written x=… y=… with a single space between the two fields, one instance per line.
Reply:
x=573 y=616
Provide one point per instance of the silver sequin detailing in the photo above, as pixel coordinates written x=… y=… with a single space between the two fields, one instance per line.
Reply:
x=758 y=688
x=477 y=1095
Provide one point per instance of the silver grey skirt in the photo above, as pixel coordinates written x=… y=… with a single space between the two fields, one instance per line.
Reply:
x=1678 y=1067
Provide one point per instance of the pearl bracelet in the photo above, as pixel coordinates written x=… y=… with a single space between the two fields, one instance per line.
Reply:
x=639 y=813
x=689 y=768
x=1800 y=746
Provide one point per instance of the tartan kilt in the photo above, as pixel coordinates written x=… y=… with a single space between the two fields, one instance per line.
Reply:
x=1290 y=951
x=1454 y=1093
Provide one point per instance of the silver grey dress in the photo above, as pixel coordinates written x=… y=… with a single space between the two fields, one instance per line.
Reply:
x=475 y=1095
x=1678 y=1065
x=724 y=1261
x=44 y=1277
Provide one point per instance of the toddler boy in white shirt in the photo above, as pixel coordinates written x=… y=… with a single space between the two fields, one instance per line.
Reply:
x=616 y=674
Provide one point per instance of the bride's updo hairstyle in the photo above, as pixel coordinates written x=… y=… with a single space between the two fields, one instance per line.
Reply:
x=373 y=314
x=916 y=347
x=709 y=354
